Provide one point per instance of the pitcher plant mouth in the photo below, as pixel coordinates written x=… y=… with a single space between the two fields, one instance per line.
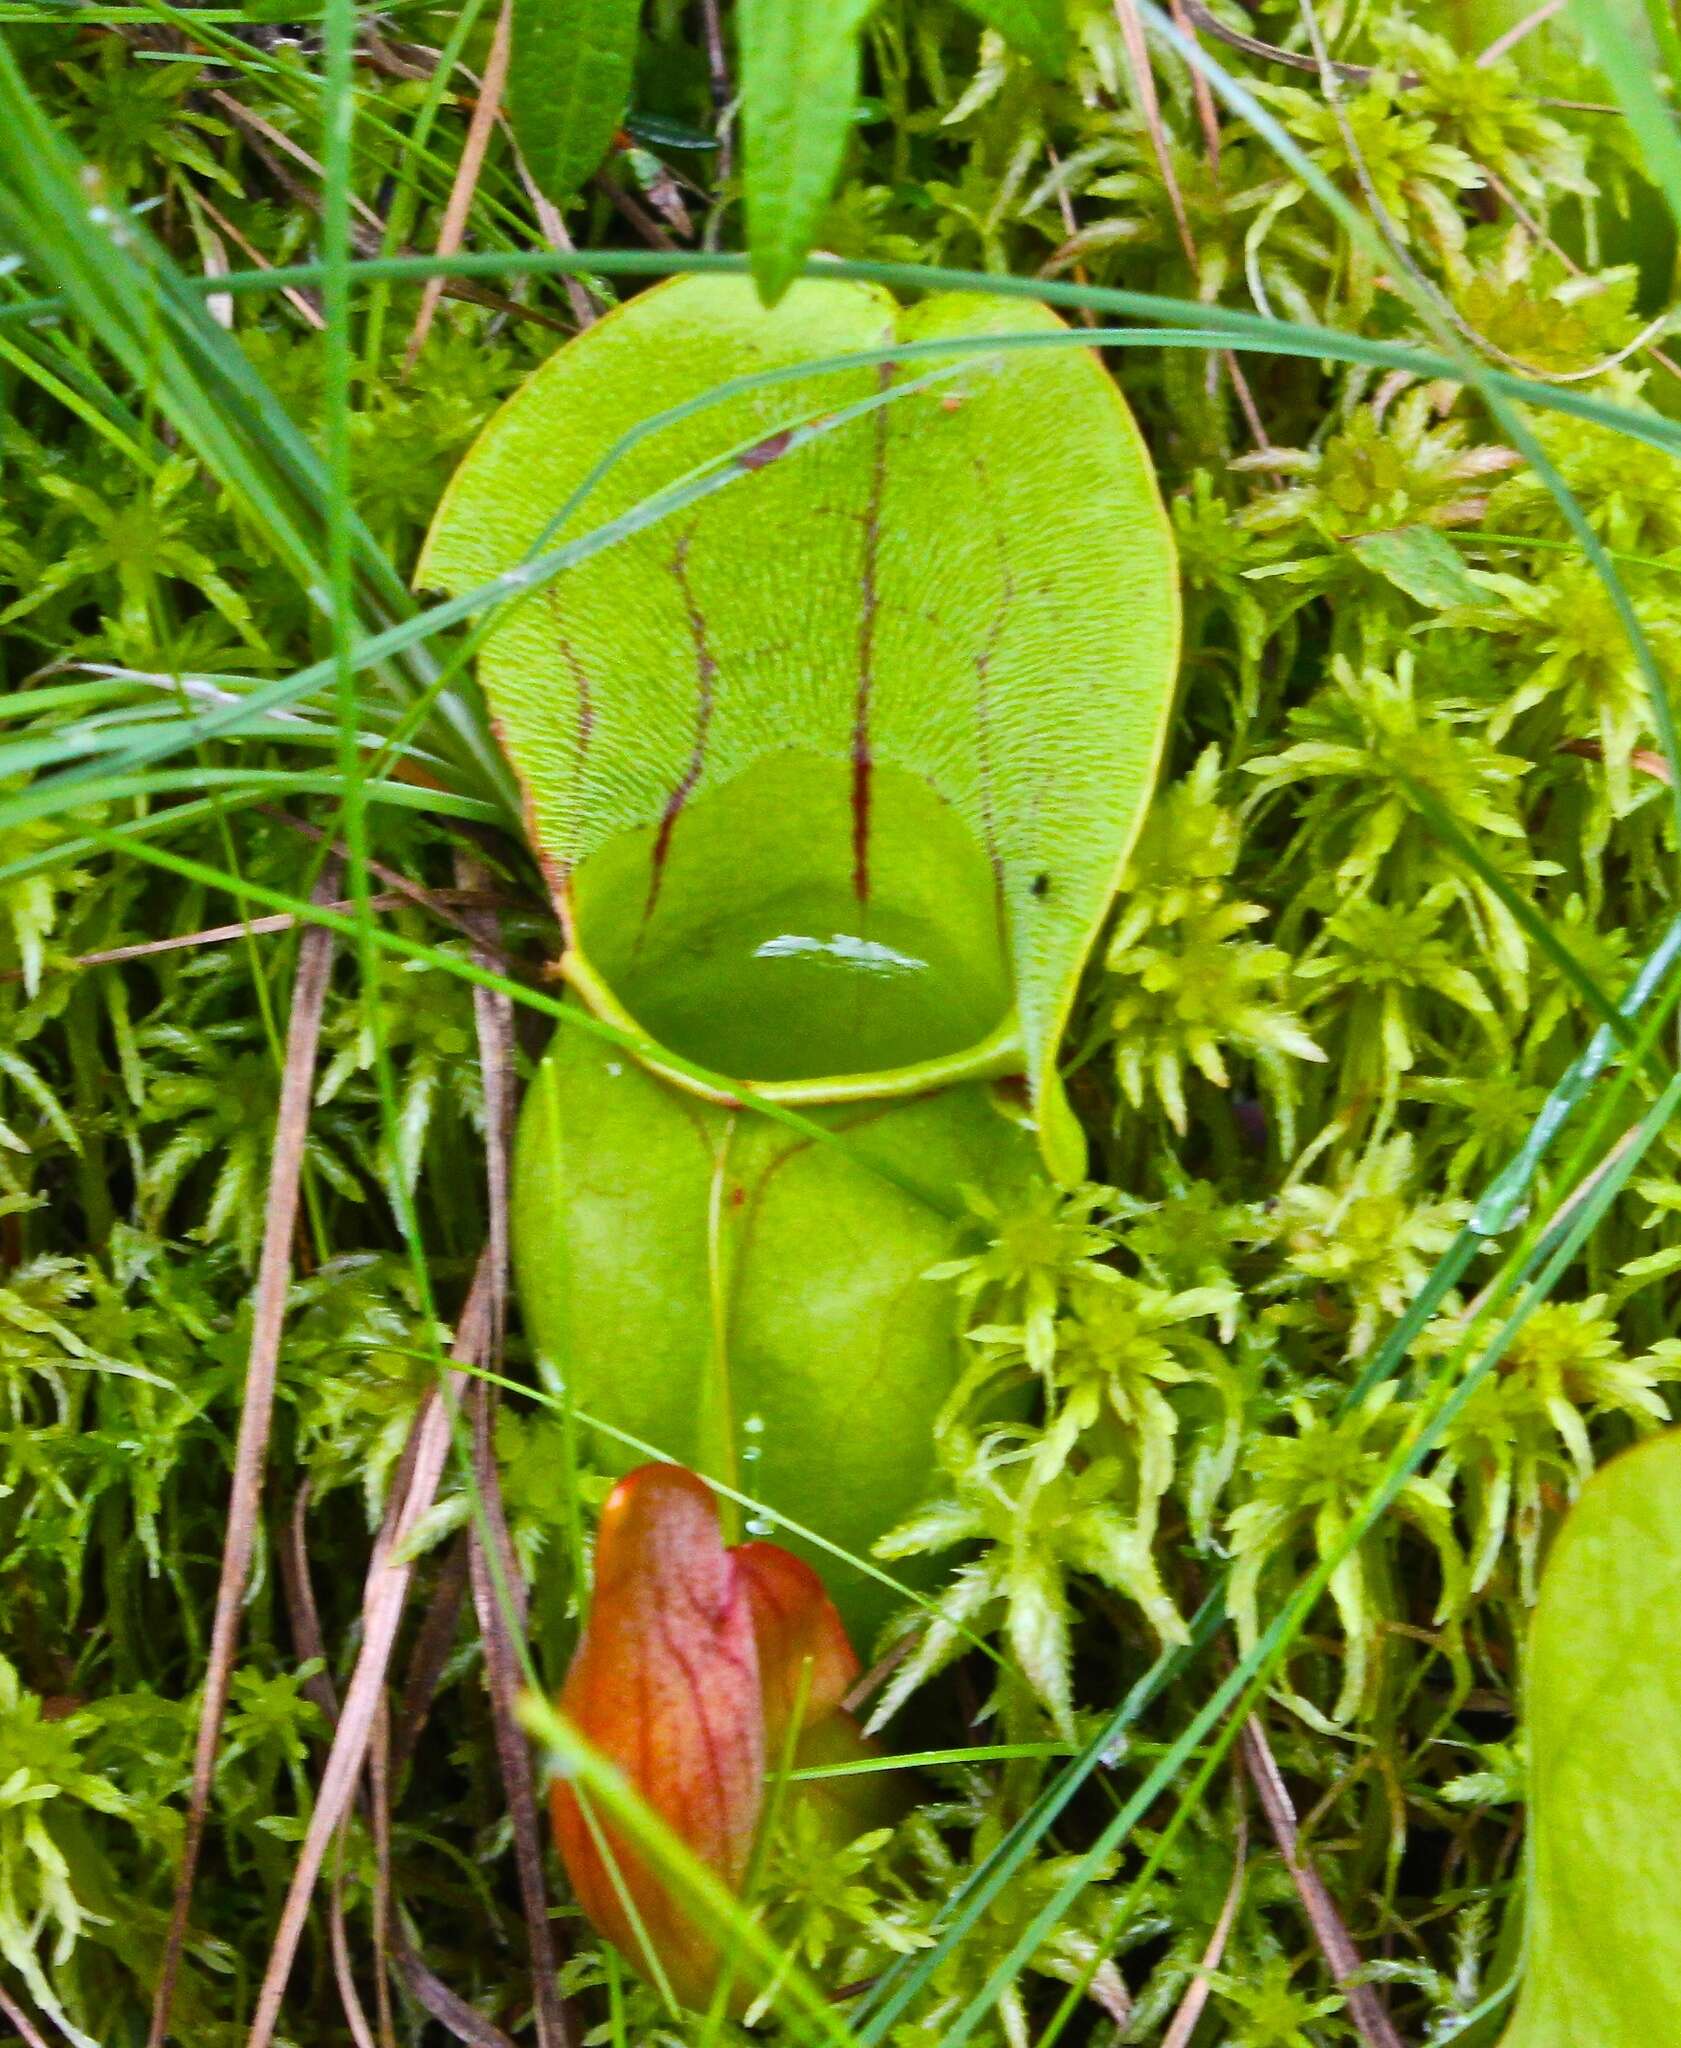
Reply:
x=996 y=1057
x=814 y=935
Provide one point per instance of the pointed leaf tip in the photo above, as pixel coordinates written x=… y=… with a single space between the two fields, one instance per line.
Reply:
x=799 y=90
x=573 y=61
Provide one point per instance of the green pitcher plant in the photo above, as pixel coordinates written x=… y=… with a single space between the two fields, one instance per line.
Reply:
x=831 y=774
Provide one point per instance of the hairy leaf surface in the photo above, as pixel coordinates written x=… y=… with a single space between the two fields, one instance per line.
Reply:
x=832 y=773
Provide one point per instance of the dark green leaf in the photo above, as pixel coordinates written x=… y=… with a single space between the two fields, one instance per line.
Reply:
x=568 y=84
x=660 y=131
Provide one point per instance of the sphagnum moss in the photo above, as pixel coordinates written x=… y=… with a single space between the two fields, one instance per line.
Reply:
x=1380 y=601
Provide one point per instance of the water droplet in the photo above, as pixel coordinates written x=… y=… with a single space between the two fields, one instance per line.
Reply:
x=867 y=955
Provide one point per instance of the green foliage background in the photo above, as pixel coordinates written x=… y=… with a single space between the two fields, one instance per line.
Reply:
x=1414 y=842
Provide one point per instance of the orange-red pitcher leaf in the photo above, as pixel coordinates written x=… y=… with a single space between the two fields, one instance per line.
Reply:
x=665 y=1684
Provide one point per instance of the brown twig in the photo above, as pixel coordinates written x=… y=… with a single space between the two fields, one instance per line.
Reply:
x=723 y=114
x=1201 y=91
x=310 y=1643
x=718 y=77
x=432 y=1644
x=550 y=220
x=302 y=1613
x=1070 y=228
x=881 y=1670
x=493 y=1018
x=315 y=957
x=1144 y=83
x=338 y=1941
x=1643 y=758
x=379 y=1796
x=214 y=256
x=383 y=1599
x=424 y=899
x=300 y=301
x=276 y=140
x=383 y=1764
x=1365 y=2008
x=1642 y=343
x=634 y=212
x=1191 y=2005
x=27 y=2031
x=277 y=921
x=498 y=1590
x=1509 y=41
x=410 y=62
x=460 y=202
x=1354 y=74
x=308 y=1637
x=1444 y=309
x=513 y=1754
x=444 y=2005
x=367 y=230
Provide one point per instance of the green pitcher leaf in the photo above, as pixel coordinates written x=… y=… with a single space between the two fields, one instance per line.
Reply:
x=799 y=89
x=568 y=85
x=833 y=773
x=752 y=1305
x=1038 y=28
x=1604 y=1715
